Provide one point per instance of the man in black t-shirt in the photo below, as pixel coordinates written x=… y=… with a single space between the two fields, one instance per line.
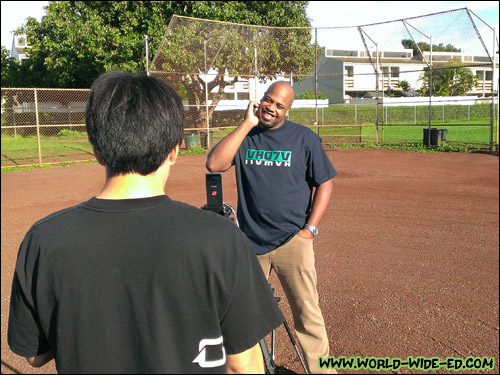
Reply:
x=131 y=281
x=279 y=164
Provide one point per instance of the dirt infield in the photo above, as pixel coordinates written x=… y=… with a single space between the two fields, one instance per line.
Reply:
x=407 y=257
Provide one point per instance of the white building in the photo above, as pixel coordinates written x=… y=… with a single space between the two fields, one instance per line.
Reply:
x=347 y=74
x=19 y=47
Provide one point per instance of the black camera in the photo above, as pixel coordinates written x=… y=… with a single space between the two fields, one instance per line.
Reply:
x=215 y=200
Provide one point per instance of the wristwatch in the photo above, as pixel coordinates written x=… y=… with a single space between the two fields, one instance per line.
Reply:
x=314 y=230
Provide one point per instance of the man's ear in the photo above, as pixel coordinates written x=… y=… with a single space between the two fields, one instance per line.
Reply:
x=172 y=156
x=98 y=157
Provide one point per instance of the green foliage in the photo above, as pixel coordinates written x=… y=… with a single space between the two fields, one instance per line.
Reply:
x=309 y=94
x=79 y=40
x=7 y=63
x=71 y=134
x=193 y=151
x=410 y=44
x=405 y=85
x=191 y=46
x=452 y=80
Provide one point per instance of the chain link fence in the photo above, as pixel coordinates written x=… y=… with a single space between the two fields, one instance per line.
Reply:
x=43 y=126
x=358 y=84
x=378 y=83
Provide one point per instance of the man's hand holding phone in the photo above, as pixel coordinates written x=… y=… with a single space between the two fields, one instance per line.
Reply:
x=252 y=115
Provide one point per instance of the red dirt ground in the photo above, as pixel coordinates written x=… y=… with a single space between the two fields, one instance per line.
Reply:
x=407 y=257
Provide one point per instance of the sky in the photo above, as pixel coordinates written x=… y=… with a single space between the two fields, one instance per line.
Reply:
x=322 y=13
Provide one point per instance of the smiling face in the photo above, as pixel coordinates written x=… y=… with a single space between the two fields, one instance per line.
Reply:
x=275 y=104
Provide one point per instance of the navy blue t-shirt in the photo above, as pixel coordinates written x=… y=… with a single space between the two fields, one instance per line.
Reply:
x=275 y=173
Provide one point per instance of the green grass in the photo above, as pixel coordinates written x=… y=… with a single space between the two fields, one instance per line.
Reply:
x=417 y=147
x=73 y=146
x=470 y=134
x=25 y=151
x=42 y=166
x=366 y=114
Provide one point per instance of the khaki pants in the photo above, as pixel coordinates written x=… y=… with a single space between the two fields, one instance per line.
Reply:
x=294 y=266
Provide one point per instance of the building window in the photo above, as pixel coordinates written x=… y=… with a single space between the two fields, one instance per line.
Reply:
x=395 y=71
x=349 y=71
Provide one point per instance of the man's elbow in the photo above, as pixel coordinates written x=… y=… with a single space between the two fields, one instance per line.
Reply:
x=41 y=359
x=214 y=167
x=210 y=166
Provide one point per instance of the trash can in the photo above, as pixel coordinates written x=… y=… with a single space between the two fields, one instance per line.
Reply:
x=434 y=134
x=439 y=135
x=203 y=139
x=443 y=134
x=191 y=140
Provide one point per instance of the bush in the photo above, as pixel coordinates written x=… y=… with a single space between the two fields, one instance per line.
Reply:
x=310 y=95
x=71 y=134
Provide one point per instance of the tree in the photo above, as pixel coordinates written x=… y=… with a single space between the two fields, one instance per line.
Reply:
x=405 y=85
x=192 y=48
x=410 y=44
x=8 y=64
x=452 y=80
x=78 y=40
x=309 y=94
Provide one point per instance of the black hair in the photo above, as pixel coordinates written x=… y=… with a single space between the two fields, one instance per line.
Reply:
x=133 y=121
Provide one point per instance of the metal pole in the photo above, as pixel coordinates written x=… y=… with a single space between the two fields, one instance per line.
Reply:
x=69 y=116
x=256 y=74
x=206 y=94
x=377 y=88
x=147 y=54
x=38 y=129
x=430 y=95
x=384 y=108
x=493 y=78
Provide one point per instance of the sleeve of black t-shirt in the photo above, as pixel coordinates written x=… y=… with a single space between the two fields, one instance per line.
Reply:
x=253 y=311
x=319 y=166
x=25 y=336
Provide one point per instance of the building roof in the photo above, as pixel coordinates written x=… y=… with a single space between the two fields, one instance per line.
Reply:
x=403 y=61
x=382 y=60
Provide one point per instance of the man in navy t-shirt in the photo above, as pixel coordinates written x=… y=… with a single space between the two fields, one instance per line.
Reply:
x=284 y=180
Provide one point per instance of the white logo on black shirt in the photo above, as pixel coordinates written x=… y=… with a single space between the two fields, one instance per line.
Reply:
x=201 y=358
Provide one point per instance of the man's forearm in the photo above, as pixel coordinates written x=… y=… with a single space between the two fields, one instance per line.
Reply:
x=222 y=155
x=320 y=202
x=250 y=361
x=41 y=359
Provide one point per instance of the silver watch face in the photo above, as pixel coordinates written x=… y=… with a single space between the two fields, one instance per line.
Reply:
x=314 y=230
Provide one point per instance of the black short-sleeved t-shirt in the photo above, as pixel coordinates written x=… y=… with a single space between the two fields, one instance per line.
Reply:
x=276 y=171
x=138 y=286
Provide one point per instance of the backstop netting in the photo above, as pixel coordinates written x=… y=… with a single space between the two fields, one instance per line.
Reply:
x=371 y=83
